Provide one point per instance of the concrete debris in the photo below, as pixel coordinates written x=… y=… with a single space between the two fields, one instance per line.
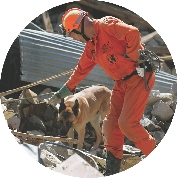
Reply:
x=31 y=114
x=153 y=127
x=77 y=167
x=158 y=135
x=131 y=150
x=174 y=90
x=162 y=111
x=36 y=132
x=49 y=159
x=130 y=158
x=14 y=122
x=155 y=95
x=145 y=121
x=8 y=114
x=41 y=97
x=129 y=161
x=96 y=152
x=173 y=106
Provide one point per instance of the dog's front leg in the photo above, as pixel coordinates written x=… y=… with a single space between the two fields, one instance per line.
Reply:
x=71 y=135
x=81 y=136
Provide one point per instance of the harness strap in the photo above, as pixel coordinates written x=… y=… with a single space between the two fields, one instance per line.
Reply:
x=144 y=77
x=130 y=75
x=146 y=81
x=148 y=62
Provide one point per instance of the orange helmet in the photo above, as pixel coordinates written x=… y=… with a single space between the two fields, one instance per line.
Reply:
x=71 y=20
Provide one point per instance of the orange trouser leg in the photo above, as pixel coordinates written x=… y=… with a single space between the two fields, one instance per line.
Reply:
x=112 y=136
x=128 y=101
x=135 y=101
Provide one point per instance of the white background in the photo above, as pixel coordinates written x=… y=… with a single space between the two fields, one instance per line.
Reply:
x=15 y=15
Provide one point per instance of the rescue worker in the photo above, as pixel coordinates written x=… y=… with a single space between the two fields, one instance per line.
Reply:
x=113 y=45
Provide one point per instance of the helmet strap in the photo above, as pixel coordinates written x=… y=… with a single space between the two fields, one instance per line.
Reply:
x=82 y=31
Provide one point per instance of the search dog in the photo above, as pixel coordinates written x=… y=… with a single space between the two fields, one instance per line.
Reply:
x=75 y=111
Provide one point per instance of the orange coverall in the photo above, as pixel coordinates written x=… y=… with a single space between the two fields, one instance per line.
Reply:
x=112 y=40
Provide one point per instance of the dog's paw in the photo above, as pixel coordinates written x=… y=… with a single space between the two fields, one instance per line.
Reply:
x=94 y=146
x=95 y=152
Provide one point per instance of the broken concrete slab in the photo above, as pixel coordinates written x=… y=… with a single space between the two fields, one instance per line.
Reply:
x=8 y=113
x=28 y=97
x=48 y=158
x=9 y=104
x=59 y=150
x=145 y=121
x=77 y=167
x=148 y=109
x=155 y=95
x=152 y=127
x=45 y=95
x=14 y=122
x=131 y=150
x=162 y=111
x=149 y=124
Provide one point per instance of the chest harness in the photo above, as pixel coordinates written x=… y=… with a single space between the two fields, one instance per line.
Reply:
x=148 y=62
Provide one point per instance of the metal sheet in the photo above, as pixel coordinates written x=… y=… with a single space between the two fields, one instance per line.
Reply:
x=45 y=54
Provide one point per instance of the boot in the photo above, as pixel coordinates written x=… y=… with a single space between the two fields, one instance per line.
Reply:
x=112 y=164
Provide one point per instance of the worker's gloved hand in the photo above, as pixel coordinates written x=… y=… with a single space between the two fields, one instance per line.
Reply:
x=62 y=93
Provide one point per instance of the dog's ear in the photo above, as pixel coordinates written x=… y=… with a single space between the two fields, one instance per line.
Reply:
x=75 y=108
x=62 y=105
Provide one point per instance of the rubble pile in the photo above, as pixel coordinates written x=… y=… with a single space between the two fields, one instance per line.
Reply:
x=30 y=114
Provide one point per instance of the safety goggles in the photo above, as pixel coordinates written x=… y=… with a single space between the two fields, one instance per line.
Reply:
x=62 y=30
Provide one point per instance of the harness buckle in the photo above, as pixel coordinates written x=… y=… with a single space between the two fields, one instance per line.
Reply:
x=140 y=71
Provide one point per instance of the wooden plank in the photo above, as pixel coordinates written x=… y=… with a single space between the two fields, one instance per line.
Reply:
x=148 y=37
x=47 y=22
x=159 y=50
x=166 y=58
x=115 y=11
x=41 y=137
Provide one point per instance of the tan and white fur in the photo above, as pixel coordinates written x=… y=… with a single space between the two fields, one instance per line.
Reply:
x=89 y=105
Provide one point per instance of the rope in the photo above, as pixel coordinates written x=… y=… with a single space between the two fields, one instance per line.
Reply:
x=35 y=83
x=45 y=94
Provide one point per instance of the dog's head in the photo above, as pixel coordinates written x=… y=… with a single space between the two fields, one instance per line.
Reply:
x=68 y=113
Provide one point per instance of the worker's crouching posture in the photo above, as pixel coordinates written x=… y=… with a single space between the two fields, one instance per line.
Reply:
x=114 y=46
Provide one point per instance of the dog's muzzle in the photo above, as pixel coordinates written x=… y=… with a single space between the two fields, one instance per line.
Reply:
x=64 y=127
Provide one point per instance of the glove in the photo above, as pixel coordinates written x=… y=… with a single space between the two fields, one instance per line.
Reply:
x=62 y=93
